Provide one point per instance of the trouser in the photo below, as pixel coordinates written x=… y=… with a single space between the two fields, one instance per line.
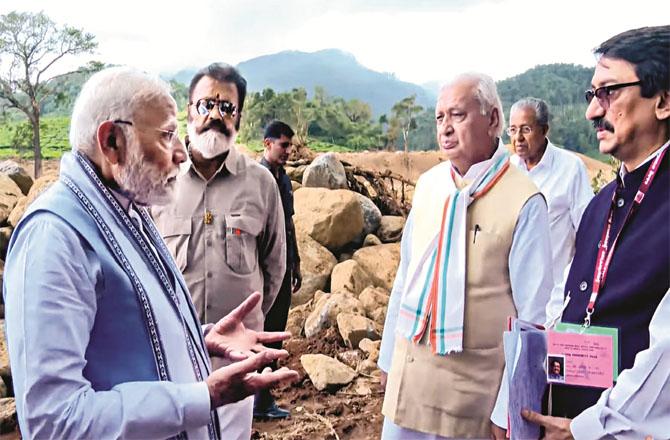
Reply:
x=275 y=321
x=236 y=418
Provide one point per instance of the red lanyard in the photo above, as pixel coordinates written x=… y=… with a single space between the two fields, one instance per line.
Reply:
x=606 y=252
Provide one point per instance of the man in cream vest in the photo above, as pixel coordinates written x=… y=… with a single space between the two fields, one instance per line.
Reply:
x=475 y=250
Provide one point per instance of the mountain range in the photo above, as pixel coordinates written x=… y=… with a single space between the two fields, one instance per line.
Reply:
x=338 y=72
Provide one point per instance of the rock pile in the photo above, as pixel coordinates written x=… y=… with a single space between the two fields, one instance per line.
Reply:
x=350 y=253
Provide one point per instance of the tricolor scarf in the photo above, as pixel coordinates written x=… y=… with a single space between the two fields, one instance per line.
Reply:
x=434 y=297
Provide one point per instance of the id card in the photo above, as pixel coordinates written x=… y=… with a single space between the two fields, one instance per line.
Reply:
x=583 y=356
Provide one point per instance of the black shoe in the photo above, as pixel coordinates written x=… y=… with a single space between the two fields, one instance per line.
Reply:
x=271 y=412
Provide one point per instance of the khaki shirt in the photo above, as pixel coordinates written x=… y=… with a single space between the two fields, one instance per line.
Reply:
x=227 y=236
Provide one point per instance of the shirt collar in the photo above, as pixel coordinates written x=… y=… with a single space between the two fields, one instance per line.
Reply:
x=477 y=168
x=623 y=172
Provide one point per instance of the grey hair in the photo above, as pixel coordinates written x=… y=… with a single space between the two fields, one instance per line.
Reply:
x=112 y=93
x=486 y=94
x=536 y=104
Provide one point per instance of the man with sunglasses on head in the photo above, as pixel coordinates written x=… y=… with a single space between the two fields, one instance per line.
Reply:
x=620 y=274
x=560 y=175
x=277 y=143
x=225 y=227
x=103 y=339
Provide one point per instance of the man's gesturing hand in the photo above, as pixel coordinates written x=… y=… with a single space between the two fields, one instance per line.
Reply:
x=239 y=380
x=230 y=339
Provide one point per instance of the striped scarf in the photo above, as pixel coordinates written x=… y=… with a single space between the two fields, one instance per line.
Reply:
x=434 y=298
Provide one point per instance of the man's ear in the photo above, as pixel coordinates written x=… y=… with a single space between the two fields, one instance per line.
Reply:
x=663 y=106
x=111 y=142
x=494 y=121
x=266 y=143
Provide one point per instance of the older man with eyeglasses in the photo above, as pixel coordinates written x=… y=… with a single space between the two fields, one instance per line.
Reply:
x=620 y=275
x=103 y=338
x=225 y=227
x=560 y=175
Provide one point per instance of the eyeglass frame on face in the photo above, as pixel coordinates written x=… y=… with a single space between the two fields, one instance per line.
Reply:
x=230 y=108
x=606 y=91
x=524 y=129
x=172 y=135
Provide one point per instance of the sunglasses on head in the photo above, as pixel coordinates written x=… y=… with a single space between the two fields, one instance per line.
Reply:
x=204 y=107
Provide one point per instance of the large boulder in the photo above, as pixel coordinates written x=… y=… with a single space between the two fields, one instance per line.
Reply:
x=372 y=216
x=349 y=275
x=373 y=298
x=326 y=372
x=40 y=185
x=10 y=193
x=381 y=262
x=354 y=328
x=8 y=420
x=316 y=264
x=327 y=308
x=325 y=172
x=19 y=175
x=334 y=218
x=296 y=319
x=390 y=228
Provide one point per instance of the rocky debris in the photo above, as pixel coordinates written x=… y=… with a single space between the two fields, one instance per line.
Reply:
x=334 y=218
x=296 y=319
x=38 y=187
x=295 y=173
x=378 y=315
x=10 y=193
x=19 y=175
x=327 y=308
x=349 y=275
x=371 y=240
x=17 y=212
x=316 y=264
x=370 y=347
x=372 y=216
x=8 y=420
x=381 y=262
x=351 y=358
x=295 y=185
x=390 y=228
x=4 y=355
x=3 y=388
x=354 y=328
x=373 y=298
x=326 y=372
x=367 y=367
x=5 y=235
x=325 y=172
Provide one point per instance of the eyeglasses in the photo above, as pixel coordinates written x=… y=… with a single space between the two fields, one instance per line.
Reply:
x=603 y=93
x=524 y=129
x=168 y=135
x=205 y=105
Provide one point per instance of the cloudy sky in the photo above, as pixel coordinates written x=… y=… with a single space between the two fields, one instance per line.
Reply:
x=417 y=40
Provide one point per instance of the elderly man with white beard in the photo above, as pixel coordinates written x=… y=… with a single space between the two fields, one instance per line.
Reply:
x=103 y=339
x=225 y=227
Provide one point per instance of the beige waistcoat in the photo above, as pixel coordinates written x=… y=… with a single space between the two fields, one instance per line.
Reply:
x=454 y=395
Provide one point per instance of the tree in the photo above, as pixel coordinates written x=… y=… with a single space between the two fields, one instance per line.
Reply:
x=404 y=118
x=30 y=44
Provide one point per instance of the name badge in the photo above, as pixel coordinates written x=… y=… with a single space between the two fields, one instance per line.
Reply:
x=583 y=356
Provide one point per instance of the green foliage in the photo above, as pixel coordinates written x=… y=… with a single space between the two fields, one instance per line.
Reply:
x=562 y=87
x=402 y=122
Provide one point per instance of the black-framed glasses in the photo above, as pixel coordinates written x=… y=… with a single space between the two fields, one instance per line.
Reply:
x=603 y=93
x=524 y=130
x=168 y=135
x=205 y=105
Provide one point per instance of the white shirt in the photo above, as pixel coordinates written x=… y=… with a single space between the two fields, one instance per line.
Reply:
x=561 y=177
x=530 y=288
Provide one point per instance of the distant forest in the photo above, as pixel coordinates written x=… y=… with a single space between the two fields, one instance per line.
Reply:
x=319 y=118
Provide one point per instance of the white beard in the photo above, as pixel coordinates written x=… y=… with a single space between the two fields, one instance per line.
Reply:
x=211 y=143
x=144 y=183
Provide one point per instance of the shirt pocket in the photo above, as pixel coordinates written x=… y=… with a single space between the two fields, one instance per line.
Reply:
x=241 y=233
x=176 y=232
